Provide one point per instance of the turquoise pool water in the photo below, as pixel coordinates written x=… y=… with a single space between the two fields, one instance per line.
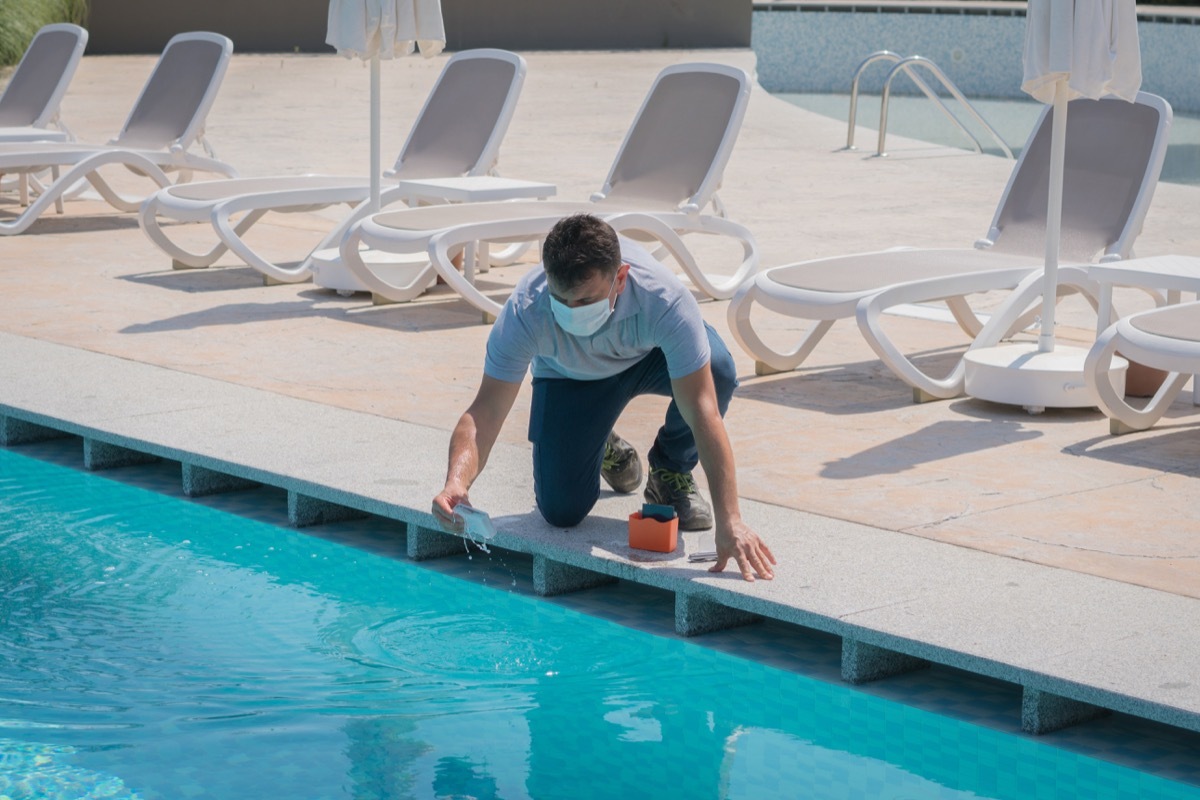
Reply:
x=156 y=648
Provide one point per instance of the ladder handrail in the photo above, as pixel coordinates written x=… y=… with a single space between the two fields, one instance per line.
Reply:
x=903 y=64
x=888 y=55
x=878 y=55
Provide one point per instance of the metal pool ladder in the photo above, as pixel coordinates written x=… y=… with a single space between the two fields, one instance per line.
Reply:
x=907 y=66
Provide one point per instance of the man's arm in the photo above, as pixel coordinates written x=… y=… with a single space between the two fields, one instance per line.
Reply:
x=697 y=401
x=471 y=443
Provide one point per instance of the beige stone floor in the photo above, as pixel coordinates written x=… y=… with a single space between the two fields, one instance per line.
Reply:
x=839 y=437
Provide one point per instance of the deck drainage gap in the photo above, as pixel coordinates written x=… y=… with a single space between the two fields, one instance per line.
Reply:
x=200 y=481
x=304 y=511
x=423 y=544
x=98 y=455
x=552 y=578
x=1043 y=712
x=863 y=663
x=696 y=614
x=15 y=431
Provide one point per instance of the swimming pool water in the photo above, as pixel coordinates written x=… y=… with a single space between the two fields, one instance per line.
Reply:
x=915 y=117
x=155 y=648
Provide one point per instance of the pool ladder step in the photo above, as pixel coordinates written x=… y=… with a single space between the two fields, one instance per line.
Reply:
x=908 y=66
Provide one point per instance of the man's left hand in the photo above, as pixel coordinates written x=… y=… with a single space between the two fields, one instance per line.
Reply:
x=736 y=540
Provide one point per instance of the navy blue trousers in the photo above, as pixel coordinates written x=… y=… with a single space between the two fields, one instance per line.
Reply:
x=569 y=423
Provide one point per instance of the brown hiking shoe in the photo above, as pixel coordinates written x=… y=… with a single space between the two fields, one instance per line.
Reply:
x=621 y=467
x=678 y=489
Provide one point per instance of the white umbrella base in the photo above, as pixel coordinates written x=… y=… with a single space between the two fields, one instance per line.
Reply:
x=1019 y=375
x=330 y=273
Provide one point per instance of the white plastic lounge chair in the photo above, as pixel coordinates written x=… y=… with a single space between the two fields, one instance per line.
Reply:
x=458 y=132
x=665 y=174
x=166 y=120
x=29 y=106
x=1115 y=151
x=1165 y=338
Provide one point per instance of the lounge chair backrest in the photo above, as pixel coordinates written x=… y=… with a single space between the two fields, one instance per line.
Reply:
x=465 y=117
x=1114 y=153
x=675 y=152
x=39 y=82
x=176 y=99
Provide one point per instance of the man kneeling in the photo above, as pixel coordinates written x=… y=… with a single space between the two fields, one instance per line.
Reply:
x=601 y=323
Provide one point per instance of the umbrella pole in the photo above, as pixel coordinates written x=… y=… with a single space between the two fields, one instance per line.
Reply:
x=1058 y=147
x=376 y=168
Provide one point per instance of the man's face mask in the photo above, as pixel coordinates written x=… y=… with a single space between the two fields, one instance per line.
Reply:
x=584 y=320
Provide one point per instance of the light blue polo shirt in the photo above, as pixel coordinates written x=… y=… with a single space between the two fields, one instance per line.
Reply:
x=654 y=310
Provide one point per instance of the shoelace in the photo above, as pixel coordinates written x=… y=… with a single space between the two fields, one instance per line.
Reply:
x=611 y=458
x=680 y=482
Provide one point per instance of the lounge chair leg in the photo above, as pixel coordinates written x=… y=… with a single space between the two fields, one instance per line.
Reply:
x=1118 y=428
x=58 y=202
x=269 y=281
x=177 y=264
x=488 y=319
x=380 y=300
x=922 y=396
x=763 y=368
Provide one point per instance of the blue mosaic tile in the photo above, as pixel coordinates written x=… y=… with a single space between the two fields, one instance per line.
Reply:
x=818 y=51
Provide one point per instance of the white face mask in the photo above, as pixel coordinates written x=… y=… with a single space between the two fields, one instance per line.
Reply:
x=583 y=320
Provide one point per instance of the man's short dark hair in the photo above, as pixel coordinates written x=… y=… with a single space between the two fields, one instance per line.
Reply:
x=577 y=247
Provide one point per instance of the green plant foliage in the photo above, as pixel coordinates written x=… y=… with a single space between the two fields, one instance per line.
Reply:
x=21 y=19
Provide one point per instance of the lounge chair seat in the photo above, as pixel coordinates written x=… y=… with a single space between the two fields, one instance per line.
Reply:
x=1165 y=338
x=457 y=132
x=1114 y=154
x=167 y=119
x=665 y=175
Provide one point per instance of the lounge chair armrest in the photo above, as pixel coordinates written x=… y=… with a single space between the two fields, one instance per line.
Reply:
x=597 y=197
x=983 y=244
x=691 y=209
x=1109 y=258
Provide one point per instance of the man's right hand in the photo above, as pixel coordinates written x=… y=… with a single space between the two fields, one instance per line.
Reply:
x=443 y=509
x=470 y=444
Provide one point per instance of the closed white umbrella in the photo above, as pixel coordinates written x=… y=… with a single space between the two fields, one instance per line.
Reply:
x=376 y=29
x=1073 y=48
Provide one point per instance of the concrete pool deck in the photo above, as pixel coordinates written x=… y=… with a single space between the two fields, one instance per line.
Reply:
x=1038 y=550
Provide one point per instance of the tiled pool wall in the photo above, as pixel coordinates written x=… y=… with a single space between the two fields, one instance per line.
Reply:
x=816 y=47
